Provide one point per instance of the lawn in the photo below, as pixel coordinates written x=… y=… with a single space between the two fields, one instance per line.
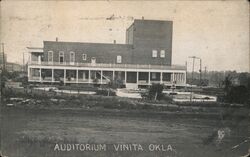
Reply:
x=35 y=132
x=34 y=123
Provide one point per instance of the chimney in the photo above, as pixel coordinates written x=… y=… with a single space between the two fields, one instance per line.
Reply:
x=56 y=39
x=114 y=41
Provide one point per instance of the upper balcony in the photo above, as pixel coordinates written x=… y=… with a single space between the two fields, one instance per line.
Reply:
x=103 y=65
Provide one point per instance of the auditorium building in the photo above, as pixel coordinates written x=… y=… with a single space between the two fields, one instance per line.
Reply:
x=144 y=59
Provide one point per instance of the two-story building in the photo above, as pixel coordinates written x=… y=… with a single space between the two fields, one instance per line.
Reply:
x=145 y=58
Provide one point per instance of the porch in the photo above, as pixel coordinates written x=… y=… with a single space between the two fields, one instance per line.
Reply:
x=138 y=77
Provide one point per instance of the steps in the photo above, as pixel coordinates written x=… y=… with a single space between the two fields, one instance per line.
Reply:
x=131 y=85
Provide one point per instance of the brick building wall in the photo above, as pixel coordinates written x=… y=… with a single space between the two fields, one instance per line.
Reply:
x=149 y=35
x=142 y=38
x=104 y=53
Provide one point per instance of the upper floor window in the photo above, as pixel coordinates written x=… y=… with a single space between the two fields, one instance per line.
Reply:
x=93 y=60
x=72 y=57
x=154 y=53
x=61 y=57
x=162 y=54
x=84 y=57
x=50 y=56
x=119 y=59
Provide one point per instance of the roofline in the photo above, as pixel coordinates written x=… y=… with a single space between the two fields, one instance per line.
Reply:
x=71 y=42
x=130 y=26
x=34 y=47
x=153 y=20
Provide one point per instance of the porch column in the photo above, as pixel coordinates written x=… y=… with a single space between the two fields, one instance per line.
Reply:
x=125 y=79
x=113 y=75
x=40 y=75
x=149 y=82
x=161 y=78
x=176 y=78
x=185 y=78
x=76 y=75
x=89 y=75
x=137 y=77
x=172 y=77
x=64 y=76
x=28 y=73
x=101 y=76
x=179 y=77
x=52 y=73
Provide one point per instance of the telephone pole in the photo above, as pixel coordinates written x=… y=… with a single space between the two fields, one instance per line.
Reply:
x=3 y=57
x=2 y=72
x=192 y=80
x=205 y=75
x=200 y=71
x=191 y=92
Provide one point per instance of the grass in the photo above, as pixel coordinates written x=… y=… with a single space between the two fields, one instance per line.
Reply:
x=32 y=127
x=38 y=99
x=34 y=132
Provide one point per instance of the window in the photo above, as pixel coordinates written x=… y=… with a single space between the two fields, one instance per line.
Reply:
x=84 y=57
x=154 y=53
x=93 y=60
x=119 y=59
x=153 y=75
x=61 y=57
x=50 y=56
x=162 y=53
x=72 y=57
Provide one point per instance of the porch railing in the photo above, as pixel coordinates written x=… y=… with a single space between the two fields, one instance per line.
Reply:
x=104 y=65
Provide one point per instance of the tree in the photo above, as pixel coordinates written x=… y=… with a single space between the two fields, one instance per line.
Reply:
x=243 y=79
x=227 y=83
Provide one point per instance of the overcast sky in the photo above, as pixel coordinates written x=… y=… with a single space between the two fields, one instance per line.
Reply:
x=216 y=31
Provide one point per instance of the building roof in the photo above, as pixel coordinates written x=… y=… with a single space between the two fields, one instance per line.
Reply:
x=67 y=43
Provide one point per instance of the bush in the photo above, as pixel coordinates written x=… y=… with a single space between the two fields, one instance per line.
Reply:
x=167 y=98
x=237 y=94
x=155 y=92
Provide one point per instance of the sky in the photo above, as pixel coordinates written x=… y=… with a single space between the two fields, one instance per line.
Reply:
x=215 y=31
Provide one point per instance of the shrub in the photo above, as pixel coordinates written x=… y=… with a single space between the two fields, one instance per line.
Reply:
x=155 y=92
x=237 y=94
x=167 y=98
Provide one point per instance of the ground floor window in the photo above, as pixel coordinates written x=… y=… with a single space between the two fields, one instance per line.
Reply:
x=153 y=75
x=35 y=72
